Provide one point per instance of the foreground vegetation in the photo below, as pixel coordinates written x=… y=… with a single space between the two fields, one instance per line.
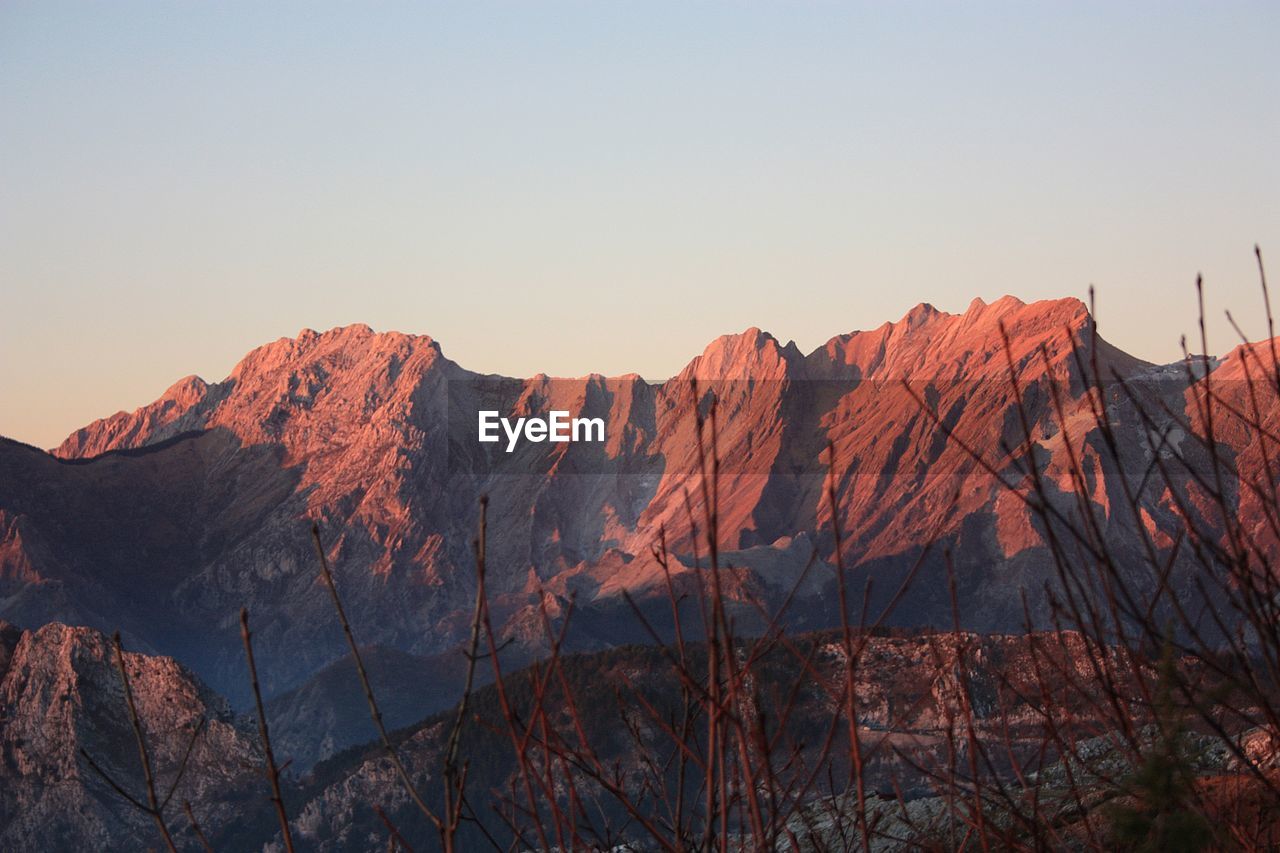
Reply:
x=1145 y=717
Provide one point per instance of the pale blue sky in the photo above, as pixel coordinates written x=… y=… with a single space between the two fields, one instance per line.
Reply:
x=576 y=187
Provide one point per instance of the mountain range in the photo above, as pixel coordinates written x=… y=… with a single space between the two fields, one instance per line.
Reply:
x=165 y=521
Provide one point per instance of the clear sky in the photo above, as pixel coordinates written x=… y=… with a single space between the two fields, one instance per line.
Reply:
x=606 y=186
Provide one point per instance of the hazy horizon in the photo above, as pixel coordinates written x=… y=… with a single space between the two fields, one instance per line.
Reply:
x=571 y=188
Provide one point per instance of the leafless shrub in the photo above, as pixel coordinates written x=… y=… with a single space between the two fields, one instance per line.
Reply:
x=1185 y=640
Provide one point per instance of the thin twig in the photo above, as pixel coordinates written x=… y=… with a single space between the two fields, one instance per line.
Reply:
x=273 y=772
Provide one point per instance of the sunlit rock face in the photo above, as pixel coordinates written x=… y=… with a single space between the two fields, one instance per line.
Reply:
x=165 y=521
x=60 y=693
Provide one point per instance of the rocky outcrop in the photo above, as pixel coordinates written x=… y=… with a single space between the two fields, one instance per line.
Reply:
x=60 y=694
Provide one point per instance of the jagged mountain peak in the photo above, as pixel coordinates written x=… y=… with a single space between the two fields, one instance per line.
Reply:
x=750 y=354
x=187 y=390
x=340 y=347
x=347 y=375
x=919 y=315
x=929 y=343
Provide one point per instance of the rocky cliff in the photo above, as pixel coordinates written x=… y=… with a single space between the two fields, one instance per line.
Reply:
x=60 y=693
